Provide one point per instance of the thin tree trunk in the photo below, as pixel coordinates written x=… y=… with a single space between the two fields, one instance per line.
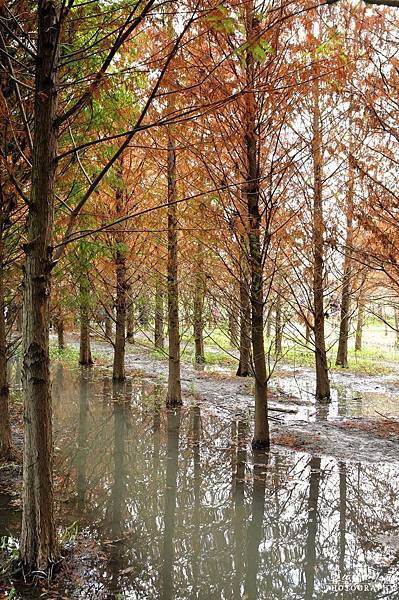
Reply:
x=130 y=322
x=159 y=340
x=269 y=323
x=245 y=317
x=233 y=321
x=19 y=319
x=38 y=546
x=278 y=326
x=322 y=379
x=85 y=357
x=396 y=313
x=199 y=297
x=308 y=331
x=174 y=385
x=261 y=438
x=173 y=397
x=120 y=326
x=108 y=327
x=359 y=325
x=5 y=427
x=342 y=353
x=59 y=323
x=121 y=293
x=143 y=316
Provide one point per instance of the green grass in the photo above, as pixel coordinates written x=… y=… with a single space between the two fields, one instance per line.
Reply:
x=368 y=362
x=379 y=355
x=70 y=356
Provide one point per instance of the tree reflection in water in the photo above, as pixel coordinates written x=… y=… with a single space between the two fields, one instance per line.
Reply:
x=183 y=508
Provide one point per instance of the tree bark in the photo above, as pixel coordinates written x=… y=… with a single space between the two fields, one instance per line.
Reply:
x=38 y=546
x=199 y=298
x=233 y=321
x=159 y=340
x=342 y=353
x=130 y=322
x=269 y=323
x=85 y=357
x=322 y=379
x=120 y=326
x=5 y=427
x=108 y=327
x=60 y=332
x=308 y=331
x=261 y=438
x=121 y=293
x=396 y=313
x=359 y=325
x=174 y=384
x=278 y=327
x=245 y=316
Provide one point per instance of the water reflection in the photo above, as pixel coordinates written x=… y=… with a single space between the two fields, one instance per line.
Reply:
x=172 y=452
x=183 y=509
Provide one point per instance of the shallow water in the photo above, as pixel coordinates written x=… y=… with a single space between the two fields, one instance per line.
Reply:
x=182 y=509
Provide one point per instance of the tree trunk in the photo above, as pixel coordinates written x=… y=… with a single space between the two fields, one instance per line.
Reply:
x=278 y=327
x=5 y=427
x=121 y=293
x=245 y=317
x=19 y=319
x=159 y=340
x=143 y=316
x=108 y=327
x=269 y=323
x=308 y=331
x=359 y=325
x=342 y=353
x=322 y=379
x=38 y=545
x=130 y=322
x=120 y=327
x=261 y=438
x=396 y=313
x=60 y=332
x=199 y=297
x=233 y=320
x=174 y=385
x=85 y=357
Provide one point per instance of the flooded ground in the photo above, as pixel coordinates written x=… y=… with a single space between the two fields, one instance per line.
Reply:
x=180 y=508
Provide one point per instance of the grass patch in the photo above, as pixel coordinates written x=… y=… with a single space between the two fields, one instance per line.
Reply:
x=70 y=356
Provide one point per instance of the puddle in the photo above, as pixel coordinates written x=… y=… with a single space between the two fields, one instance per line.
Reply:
x=182 y=509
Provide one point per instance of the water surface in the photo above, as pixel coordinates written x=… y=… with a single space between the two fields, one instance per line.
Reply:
x=182 y=509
